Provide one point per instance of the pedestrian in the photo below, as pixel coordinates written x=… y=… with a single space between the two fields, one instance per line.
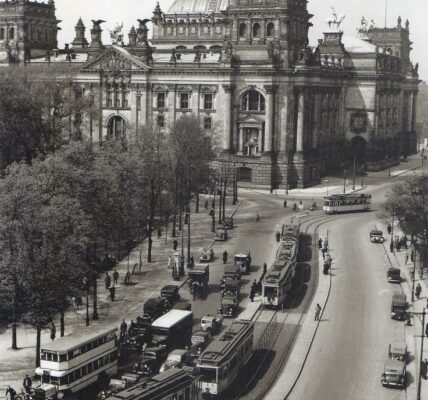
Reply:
x=389 y=229
x=11 y=392
x=391 y=246
x=418 y=290
x=159 y=232
x=107 y=281
x=206 y=205
x=317 y=312
x=278 y=237
x=115 y=277
x=225 y=257
x=112 y=290
x=326 y=243
x=424 y=368
x=398 y=245
x=285 y=203
x=169 y=262
x=323 y=251
x=271 y=192
x=175 y=244
x=257 y=217
x=192 y=261
x=406 y=258
x=264 y=268
x=252 y=294
x=127 y=278
x=325 y=268
x=27 y=383
x=195 y=289
x=320 y=243
x=123 y=329
x=52 y=331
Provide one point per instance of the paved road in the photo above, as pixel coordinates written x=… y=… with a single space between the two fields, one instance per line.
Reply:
x=347 y=356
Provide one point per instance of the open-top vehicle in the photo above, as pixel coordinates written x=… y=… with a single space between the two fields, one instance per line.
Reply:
x=398 y=307
x=398 y=351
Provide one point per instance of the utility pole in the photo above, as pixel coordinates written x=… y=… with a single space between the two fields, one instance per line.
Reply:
x=188 y=236
x=423 y=313
x=344 y=181
x=220 y=191
x=353 y=181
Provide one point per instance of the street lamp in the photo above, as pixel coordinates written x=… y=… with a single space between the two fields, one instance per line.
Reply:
x=86 y=285
x=391 y=245
x=388 y=165
x=344 y=181
x=326 y=180
x=353 y=180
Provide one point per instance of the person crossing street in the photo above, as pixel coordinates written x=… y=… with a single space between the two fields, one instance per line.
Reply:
x=27 y=383
x=225 y=257
x=317 y=312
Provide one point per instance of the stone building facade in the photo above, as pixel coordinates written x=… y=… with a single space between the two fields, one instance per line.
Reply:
x=286 y=113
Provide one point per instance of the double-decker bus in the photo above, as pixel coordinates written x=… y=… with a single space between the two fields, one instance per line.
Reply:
x=221 y=361
x=279 y=278
x=342 y=203
x=173 y=329
x=73 y=362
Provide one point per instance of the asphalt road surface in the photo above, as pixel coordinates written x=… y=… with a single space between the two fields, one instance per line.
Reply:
x=351 y=344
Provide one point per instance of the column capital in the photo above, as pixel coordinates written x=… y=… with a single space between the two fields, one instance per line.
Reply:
x=270 y=89
x=228 y=88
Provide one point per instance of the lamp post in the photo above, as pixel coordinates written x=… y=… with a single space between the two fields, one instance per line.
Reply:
x=86 y=285
x=388 y=165
x=326 y=180
x=188 y=236
x=391 y=246
x=344 y=181
x=353 y=180
x=414 y=270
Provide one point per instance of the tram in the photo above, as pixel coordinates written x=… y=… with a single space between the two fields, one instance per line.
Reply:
x=342 y=203
x=221 y=361
x=278 y=280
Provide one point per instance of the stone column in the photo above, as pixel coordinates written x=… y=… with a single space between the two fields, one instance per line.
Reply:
x=241 y=141
x=143 y=104
x=235 y=128
x=270 y=89
x=300 y=132
x=414 y=110
x=315 y=125
x=228 y=89
x=172 y=97
x=284 y=124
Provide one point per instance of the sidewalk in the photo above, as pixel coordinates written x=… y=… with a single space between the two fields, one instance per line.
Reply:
x=294 y=366
x=14 y=364
x=413 y=332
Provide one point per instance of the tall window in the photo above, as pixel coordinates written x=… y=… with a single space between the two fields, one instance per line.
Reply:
x=12 y=33
x=160 y=100
x=208 y=123
x=208 y=101
x=270 y=29
x=1 y=33
x=256 y=30
x=161 y=121
x=184 y=101
x=253 y=101
x=242 y=30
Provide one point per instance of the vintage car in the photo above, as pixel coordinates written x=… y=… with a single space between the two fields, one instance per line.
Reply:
x=243 y=261
x=221 y=235
x=200 y=340
x=394 y=374
x=232 y=287
x=398 y=307
x=376 y=236
x=231 y=272
x=398 y=351
x=200 y=274
x=227 y=223
x=139 y=333
x=154 y=308
x=207 y=255
x=170 y=293
x=229 y=305
x=175 y=359
x=150 y=361
x=393 y=275
x=212 y=322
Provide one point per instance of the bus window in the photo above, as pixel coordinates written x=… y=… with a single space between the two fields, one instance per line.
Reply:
x=90 y=368
x=209 y=374
x=63 y=380
x=270 y=291
x=63 y=357
x=77 y=374
x=84 y=371
x=54 y=380
x=76 y=353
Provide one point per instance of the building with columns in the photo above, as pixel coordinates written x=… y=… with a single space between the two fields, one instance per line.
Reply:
x=286 y=113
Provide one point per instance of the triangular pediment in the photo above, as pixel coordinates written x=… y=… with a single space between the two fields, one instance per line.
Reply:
x=114 y=58
x=251 y=119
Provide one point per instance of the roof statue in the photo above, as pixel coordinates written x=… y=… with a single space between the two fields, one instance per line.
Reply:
x=97 y=22
x=363 y=27
x=372 y=24
x=335 y=20
x=116 y=34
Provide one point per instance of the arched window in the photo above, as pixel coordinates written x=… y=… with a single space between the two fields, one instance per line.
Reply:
x=215 y=49
x=253 y=101
x=12 y=33
x=181 y=47
x=1 y=33
x=270 y=29
x=256 y=30
x=242 y=30
x=199 y=47
x=116 y=128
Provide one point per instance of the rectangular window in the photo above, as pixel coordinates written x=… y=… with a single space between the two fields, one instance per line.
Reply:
x=138 y=102
x=160 y=100
x=110 y=102
x=208 y=101
x=117 y=103
x=161 y=121
x=184 y=101
x=207 y=123
x=125 y=103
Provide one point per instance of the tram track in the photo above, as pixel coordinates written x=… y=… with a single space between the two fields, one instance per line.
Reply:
x=307 y=223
